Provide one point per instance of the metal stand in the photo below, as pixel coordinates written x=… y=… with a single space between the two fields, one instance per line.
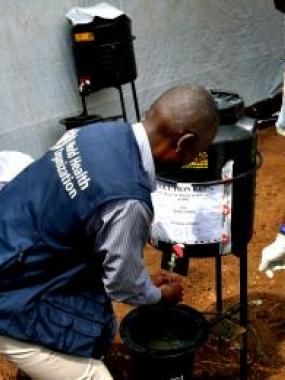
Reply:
x=219 y=294
x=222 y=322
x=122 y=101
x=213 y=251
x=243 y=309
x=244 y=313
x=135 y=100
x=84 y=106
x=123 y=107
x=240 y=328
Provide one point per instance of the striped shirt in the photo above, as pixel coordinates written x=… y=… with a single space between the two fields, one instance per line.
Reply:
x=120 y=230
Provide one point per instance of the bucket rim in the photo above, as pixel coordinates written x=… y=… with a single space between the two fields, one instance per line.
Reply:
x=204 y=329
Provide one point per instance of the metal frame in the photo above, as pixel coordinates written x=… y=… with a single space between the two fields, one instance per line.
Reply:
x=118 y=86
x=243 y=274
x=220 y=313
x=135 y=100
x=122 y=103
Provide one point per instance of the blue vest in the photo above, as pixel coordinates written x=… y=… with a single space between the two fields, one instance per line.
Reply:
x=51 y=290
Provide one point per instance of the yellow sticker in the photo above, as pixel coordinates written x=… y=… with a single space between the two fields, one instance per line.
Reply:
x=84 y=37
x=200 y=162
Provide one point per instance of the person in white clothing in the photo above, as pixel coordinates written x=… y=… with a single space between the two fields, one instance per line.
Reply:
x=11 y=164
x=273 y=255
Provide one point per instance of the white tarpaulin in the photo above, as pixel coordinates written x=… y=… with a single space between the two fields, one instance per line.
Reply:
x=230 y=45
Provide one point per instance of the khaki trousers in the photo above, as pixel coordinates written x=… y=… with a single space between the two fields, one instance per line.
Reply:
x=42 y=364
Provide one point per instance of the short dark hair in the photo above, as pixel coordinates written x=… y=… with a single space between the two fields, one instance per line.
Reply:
x=185 y=107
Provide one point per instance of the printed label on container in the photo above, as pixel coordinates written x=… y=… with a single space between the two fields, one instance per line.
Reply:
x=187 y=214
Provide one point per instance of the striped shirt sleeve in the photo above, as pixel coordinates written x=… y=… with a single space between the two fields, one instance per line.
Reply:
x=121 y=237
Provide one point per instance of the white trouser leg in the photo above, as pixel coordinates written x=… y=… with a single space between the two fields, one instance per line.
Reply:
x=280 y=124
x=42 y=364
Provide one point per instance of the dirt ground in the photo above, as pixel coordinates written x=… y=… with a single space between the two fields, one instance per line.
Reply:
x=219 y=360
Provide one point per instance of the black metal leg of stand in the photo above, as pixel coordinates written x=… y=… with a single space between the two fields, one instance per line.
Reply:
x=243 y=313
x=219 y=296
x=135 y=100
x=84 y=107
x=122 y=103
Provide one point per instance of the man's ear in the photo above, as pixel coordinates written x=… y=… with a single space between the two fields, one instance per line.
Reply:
x=186 y=142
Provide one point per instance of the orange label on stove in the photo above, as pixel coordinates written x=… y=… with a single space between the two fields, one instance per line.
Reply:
x=84 y=37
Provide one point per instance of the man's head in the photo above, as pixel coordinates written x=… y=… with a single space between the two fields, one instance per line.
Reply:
x=181 y=123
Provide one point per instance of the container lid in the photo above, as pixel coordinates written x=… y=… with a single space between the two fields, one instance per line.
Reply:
x=231 y=135
x=230 y=106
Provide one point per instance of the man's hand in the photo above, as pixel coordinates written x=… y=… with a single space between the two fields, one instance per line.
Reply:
x=171 y=286
x=172 y=293
x=159 y=278
x=162 y=278
x=273 y=256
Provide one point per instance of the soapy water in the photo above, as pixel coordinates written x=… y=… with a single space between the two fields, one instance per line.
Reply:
x=167 y=341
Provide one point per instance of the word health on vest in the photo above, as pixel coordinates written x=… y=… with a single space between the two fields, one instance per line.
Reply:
x=67 y=148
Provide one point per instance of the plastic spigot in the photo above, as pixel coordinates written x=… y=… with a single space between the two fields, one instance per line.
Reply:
x=178 y=249
x=84 y=86
x=177 y=253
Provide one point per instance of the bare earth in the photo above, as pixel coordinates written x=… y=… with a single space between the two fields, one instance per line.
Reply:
x=217 y=360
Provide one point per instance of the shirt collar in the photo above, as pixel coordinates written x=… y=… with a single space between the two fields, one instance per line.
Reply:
x=145 y=152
